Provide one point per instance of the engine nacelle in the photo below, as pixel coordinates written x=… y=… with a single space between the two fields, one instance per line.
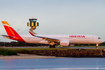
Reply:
x=64 y=43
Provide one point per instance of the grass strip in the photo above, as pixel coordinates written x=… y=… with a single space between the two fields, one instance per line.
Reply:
x=6 y=52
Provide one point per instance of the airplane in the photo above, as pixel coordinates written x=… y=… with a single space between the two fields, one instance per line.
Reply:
x=52 y=40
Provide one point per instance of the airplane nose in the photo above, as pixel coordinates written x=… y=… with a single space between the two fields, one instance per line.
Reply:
x=103 y=41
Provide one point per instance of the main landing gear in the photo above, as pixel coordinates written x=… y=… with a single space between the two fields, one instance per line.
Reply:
x=52 y=46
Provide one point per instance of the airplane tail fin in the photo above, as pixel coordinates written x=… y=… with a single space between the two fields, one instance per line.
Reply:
x=12 y=34
x=10 y=31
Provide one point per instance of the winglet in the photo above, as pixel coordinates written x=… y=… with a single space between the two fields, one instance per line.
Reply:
x=31 y=33
x=5 y=23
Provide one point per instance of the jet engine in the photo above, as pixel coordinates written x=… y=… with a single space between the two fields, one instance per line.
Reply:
x=65 y=43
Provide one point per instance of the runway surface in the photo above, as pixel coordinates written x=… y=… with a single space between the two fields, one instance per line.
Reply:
x=84 y=47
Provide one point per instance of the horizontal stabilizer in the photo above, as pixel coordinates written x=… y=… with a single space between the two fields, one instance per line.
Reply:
x=6 y=36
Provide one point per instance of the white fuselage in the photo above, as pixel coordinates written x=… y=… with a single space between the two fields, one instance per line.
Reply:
x=74 y=39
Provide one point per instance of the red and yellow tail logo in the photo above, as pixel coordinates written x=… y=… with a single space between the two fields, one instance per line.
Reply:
x=11 y=32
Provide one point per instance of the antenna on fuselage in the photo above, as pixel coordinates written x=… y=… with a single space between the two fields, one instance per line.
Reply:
x=33 y=24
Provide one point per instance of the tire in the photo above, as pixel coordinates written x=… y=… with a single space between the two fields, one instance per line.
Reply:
x=52 y=46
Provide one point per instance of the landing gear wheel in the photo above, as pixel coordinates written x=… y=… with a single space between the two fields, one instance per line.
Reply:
x=52 y=46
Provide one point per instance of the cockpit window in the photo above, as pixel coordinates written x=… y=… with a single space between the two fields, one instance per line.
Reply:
x=99 y=38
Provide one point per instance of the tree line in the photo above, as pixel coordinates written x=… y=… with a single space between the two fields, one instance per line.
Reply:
x=18 y=43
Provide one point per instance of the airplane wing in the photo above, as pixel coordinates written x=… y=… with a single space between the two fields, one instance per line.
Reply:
x=50 y=40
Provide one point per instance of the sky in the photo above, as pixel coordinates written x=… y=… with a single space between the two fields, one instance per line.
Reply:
x=54 y=16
